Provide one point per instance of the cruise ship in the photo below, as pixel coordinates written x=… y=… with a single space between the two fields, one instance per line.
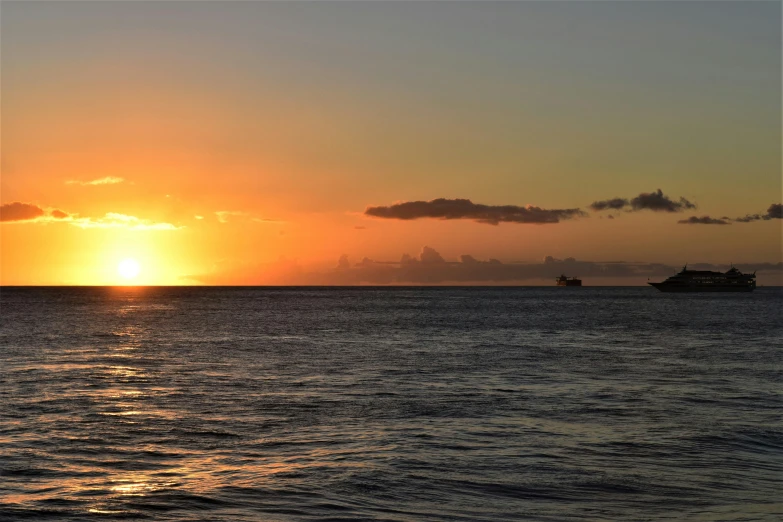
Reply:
x=565 y=281
x=707 y=281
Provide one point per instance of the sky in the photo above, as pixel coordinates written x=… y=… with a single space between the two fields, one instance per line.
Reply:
x=428 y=142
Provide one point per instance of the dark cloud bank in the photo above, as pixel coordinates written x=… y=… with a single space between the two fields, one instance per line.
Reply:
x=656 y=201
x=703 y=220
x=609 y=204
x=775 y=211
x=442 y=208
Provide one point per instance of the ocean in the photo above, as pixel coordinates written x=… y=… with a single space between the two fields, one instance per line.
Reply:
x=327 y=404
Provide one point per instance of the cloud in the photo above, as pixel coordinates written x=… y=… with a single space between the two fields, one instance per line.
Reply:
x=224 y=216
x=659 y=202
x=614 y=204
x=59 y=214
x=442 y=208
x=108 y=180
x=703 y=220
x=114 y=220
x=775 y=211
x=656 y=201
x=18 y=211
x=748 y=218
x=343 y=263
x=430 y=256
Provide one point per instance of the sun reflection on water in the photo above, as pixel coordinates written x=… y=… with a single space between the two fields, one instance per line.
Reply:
x=105 y=511
x=131 y=393
x=137 y=488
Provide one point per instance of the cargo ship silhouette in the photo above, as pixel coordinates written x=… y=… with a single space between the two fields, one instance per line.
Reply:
x=565 y=281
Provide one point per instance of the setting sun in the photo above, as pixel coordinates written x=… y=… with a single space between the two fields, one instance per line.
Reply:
x=128 y=268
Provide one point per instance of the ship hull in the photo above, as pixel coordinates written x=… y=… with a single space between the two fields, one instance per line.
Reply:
x=570 y=283
x=702 y=288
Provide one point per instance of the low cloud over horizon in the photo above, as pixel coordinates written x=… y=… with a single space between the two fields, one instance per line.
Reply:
x=430 y=268
x=443 y=208
x=656 y=201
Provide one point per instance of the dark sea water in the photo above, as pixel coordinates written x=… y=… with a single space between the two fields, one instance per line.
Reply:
x=390 y=404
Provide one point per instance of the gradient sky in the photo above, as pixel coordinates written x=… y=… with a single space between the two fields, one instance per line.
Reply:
x=241 y=142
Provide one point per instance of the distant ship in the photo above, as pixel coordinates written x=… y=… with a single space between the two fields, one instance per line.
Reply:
x=706 y=281
x=564 y=281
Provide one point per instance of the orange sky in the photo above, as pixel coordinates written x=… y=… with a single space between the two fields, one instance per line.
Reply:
x=241 y=143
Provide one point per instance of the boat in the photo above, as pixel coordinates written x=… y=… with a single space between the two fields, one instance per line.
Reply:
x=565 y=281
x=707 y=281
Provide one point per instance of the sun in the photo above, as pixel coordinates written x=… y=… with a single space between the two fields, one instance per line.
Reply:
x=128 y=268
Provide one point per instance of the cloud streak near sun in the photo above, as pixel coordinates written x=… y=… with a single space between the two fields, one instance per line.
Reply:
x=114 y=220
x=224 y=216
x=18 y=212
x=108 y=180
